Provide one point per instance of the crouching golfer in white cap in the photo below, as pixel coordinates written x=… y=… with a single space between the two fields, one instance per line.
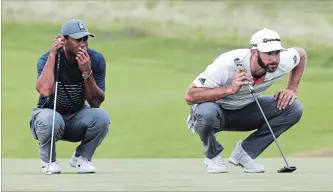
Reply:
x=80 y=92
x=220 y=99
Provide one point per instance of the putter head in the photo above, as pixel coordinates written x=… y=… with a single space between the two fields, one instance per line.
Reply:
x=287 y=169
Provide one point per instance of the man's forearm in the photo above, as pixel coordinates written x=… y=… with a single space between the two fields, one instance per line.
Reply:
x=45 y=83
x=200 y=95
x=296 y=74
x=94 y=94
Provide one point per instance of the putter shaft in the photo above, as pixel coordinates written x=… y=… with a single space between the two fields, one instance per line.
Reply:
x=251 y=89
x=54 y=112
x=262 y=112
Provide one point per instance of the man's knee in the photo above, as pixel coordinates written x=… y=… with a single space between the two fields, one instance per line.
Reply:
x=101 y=119
x=296 y=111
x=43 y=124
x=207 y=117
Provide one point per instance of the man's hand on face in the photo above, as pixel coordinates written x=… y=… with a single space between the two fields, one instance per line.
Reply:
x=83 y=61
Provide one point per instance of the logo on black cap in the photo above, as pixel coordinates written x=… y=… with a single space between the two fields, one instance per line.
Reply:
x=81 y=26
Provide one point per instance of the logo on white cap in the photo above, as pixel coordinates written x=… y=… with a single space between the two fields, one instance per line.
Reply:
x=266 y=40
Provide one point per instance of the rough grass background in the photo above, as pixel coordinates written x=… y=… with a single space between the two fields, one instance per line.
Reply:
x=311 y=20
x=169 y=38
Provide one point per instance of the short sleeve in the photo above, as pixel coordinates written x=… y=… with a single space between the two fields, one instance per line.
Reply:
x=100 y=72
x=215 y=75
x=289 y=59
x=41 y=63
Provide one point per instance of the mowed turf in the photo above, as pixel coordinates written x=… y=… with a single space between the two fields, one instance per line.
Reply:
x=168 y=175
x=147 y=76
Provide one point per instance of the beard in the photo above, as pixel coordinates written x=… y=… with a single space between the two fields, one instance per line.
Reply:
x=270 y=67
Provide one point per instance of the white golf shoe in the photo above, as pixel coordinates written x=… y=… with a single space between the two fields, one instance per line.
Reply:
x=82 y=165
x=54 y=168
x=239 y=157
x=216 y=164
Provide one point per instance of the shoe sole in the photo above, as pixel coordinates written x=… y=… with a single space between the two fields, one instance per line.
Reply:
x=217 y=171
x=51 y=173
x=86 y=172
x=237 y=164
x=55 y=173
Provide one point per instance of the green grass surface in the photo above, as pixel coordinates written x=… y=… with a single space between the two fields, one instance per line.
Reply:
x=168 y=175
x=147 y=76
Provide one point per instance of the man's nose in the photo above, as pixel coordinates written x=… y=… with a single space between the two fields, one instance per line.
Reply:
x=275 y=58
x=82 y=43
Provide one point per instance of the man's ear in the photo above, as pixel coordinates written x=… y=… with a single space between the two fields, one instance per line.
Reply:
x=66 y=38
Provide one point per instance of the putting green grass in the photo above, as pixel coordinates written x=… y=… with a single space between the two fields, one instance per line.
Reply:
x=168 y=175
x=147 y=76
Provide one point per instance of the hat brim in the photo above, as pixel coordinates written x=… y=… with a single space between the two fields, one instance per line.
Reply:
x=79 y=35
x=270 y=47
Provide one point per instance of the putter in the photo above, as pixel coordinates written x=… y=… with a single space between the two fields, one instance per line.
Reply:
x=54 y=111
x=287 y=169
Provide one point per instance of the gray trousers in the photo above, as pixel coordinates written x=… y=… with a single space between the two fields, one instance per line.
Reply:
x=209 y=118
x=89 y=125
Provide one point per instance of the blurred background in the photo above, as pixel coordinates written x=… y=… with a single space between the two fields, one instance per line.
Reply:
x=154 y=49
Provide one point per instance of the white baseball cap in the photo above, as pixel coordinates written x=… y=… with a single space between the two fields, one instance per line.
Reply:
x=266 y=40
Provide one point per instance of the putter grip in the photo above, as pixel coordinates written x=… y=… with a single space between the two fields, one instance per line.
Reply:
x=58 y=66
x=251 y=89
x=58 y=62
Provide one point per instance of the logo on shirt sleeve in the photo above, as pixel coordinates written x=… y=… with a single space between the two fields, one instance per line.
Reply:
x=202 y=80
